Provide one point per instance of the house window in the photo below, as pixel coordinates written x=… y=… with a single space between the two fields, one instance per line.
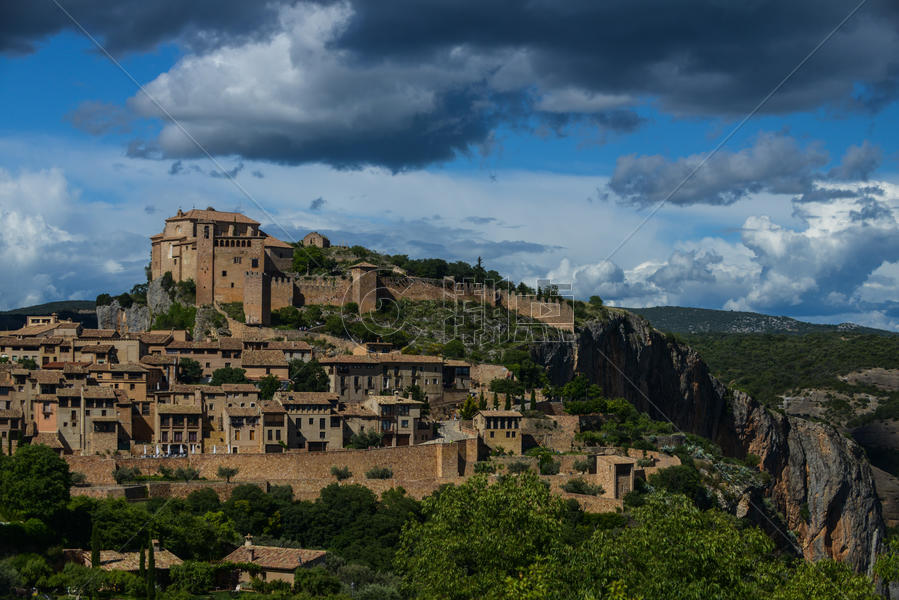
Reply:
x=252 y=434
x=255 y=263
x=321 y=435
x=278 y=435
x=321 y=423
x=404 y=423
x=236 y=260
x=491 y=434
x=311 y=420
x=206 y=231
x=224 y=273
x=192 y=436
x=507 y=434
x=165 y=436
x=237 y=435
x=269 y=435
x=177 y=437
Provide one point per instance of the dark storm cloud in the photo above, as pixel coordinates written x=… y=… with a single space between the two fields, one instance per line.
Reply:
x=135 y=25
x=317 y=204
x=229 y=174
x=406 y=83
x=858 y=162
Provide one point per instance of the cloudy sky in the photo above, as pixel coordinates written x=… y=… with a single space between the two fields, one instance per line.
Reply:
x=602 y=144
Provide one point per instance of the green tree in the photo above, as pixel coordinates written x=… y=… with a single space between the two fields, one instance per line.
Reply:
x=495 y=401
x=533 y=400
x=508 y=404
x=227 y=473
x=151 y=572
x=189 y=371
x=454 y=349
x=482 y=401
x=315 y=581
x=229 y=375
x=268 y=385
x=596 y=301
x=193 y=576
x=308 y=376
x=341 y=473
x=475 y=535
x=34 y=482
x=365 y=439
x=468 y=409
x=95 y=547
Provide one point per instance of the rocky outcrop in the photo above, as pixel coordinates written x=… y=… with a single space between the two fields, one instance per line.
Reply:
x=135 y=318
x=159 y=300
x=210 y=324
x=821 y=481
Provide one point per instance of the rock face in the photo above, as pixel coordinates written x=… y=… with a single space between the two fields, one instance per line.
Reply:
x=158 y=299
x=133 y=319
x=821 y=481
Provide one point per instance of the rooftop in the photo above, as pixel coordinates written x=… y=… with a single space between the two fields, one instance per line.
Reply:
x=210 y=214
x=271 y=557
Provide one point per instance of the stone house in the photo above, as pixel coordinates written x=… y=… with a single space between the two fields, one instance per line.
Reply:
x=243 y=429
x=354 y=378
x=275 y=564
x=499 y=429
x=179 y=428
x=615 y=474
x=262 y=363
x=312 y=420
x=314 y=238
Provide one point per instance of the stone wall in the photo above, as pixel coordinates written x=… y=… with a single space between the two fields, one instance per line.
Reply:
x=333 y=291
x=409 y=463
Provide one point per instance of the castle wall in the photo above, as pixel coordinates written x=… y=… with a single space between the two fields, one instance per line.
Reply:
x=282 y=292
x=257 y=298
x=332 y=291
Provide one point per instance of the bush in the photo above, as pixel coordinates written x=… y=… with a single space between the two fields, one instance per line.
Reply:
x=379 y=473
x=229 y=375
x=193 y=576
x=582 y=465
x=125 y=474
x=341 y=473
x=550 y=467
x=227 y=473
x=79 y=479
x=315 y=581
x=186 y=473
x=235 y=311
x=579 y=485
x=519 y=466
x=366 y=439
x=178 y=316
x=104 y=300
x=484 y=467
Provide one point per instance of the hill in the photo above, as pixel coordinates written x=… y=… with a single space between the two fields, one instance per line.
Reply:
x=82 y=311
x=679 y=319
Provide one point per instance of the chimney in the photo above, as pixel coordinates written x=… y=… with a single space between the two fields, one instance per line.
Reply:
x=156 y=547
x=248 y=540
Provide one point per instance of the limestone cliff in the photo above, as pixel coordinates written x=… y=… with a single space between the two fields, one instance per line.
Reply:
x=821 y=481
x=135 y=318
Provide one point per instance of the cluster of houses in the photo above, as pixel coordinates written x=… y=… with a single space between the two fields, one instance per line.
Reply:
x=95 y=391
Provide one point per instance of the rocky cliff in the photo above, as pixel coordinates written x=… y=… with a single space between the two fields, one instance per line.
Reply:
x=135 y=318
x=821 y=481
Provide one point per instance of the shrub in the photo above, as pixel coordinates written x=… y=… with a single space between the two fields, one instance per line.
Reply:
x=235 y=311
x=193 y=576
x=582 y=465
x=579 y=485
x=550 y=467
x=645 y=462
x=519 y=466
x=104 y=300
x=484 y=467
x=366 y=439
x=227 y=473
x=315 y=581
x=79 y=479
x=379 y=473
x=341 y=473
x=125 y=474
x=186 y=473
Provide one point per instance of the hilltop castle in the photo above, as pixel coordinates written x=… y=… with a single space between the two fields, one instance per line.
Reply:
x=229 y=258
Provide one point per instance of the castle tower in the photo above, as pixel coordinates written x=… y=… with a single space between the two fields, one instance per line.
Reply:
x=205 y=262
x=365 y=286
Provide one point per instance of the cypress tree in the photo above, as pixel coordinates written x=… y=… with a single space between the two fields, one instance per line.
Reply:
x=533 y=400
x=482 y=402
x=151 y=574
x=142 y=571
x=495 y=401
x=95 y=547
x=508 y=405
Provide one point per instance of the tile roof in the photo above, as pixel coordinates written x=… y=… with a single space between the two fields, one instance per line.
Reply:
x=97 y=349
x=241 y=411
x=394 y=400
x=48 y=439
x=50 y=377
x=98 y=333
x=98 y=392
x=271 y=407
x=210 y=214
x=500 y=413
x=323 y=398
x=110 y=560
x=288 y=345
x=274 y=242
x=178 y=409
x=119 y=367
x=158 y=359
x=155 y=338
x=270 y=557
x=263 y=358
x=238 y=387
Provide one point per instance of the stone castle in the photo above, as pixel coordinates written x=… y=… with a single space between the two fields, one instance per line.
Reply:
x=231 y=259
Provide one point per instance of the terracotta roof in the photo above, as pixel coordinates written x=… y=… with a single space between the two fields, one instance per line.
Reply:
x=350 y=359
x=155 y=338
x=211 y=214
x=53 y=376
x=271 y=407
x=98 y=392
x=97 y=349
x=110 y=560
x=241 y=411
x=238 y=387
x=270 y=557
x=397 y=357
x=288 y=345
x=48 y=439
x=158 y=359
x=98 y=333
x=396 y=400
x=274 y=242
x=120 y=367
x=263 y=358
x=500 y=413
x=178 y=409
x=30 y=343
x=323 y=398
x=364 y=265
x=14 y=412
x=452 y=362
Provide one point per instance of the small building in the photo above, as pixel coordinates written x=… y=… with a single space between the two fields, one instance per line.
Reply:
x=312 y=422
x=242 y=429
x=262 y=363
x=616 y=475
x=112 y=560
x=499 y=429
x=275 y=564
x=314 y=238
x=179 y=428
x=274 y=427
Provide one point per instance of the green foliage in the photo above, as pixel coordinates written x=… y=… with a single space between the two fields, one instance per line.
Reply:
x=379 y=473
x=227 y=473
x=468 y=409
x=229 y=375
x=579 y=485
x=518 y=467
x=308 y=376
x=454 y=349
x=124 y=475
x=288 y=317
x=205 y=500
x=193 y=576
x=341 y=473
x=268 y=385
x=315 y=581
x=189 y=371
x=34 y=482
x=583 y=465
x=186 y=291
x=683 y=479
x=104 y=300
x=484 y=467
x=312 y=260
x=365 y=439
x=28 y=363
x=178 y=316
x=235 y=311
x=186 y=473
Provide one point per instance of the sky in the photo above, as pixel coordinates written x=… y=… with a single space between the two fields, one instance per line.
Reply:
x=737 y=156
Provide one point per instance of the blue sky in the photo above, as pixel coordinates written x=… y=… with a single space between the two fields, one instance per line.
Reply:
x=536 y=138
